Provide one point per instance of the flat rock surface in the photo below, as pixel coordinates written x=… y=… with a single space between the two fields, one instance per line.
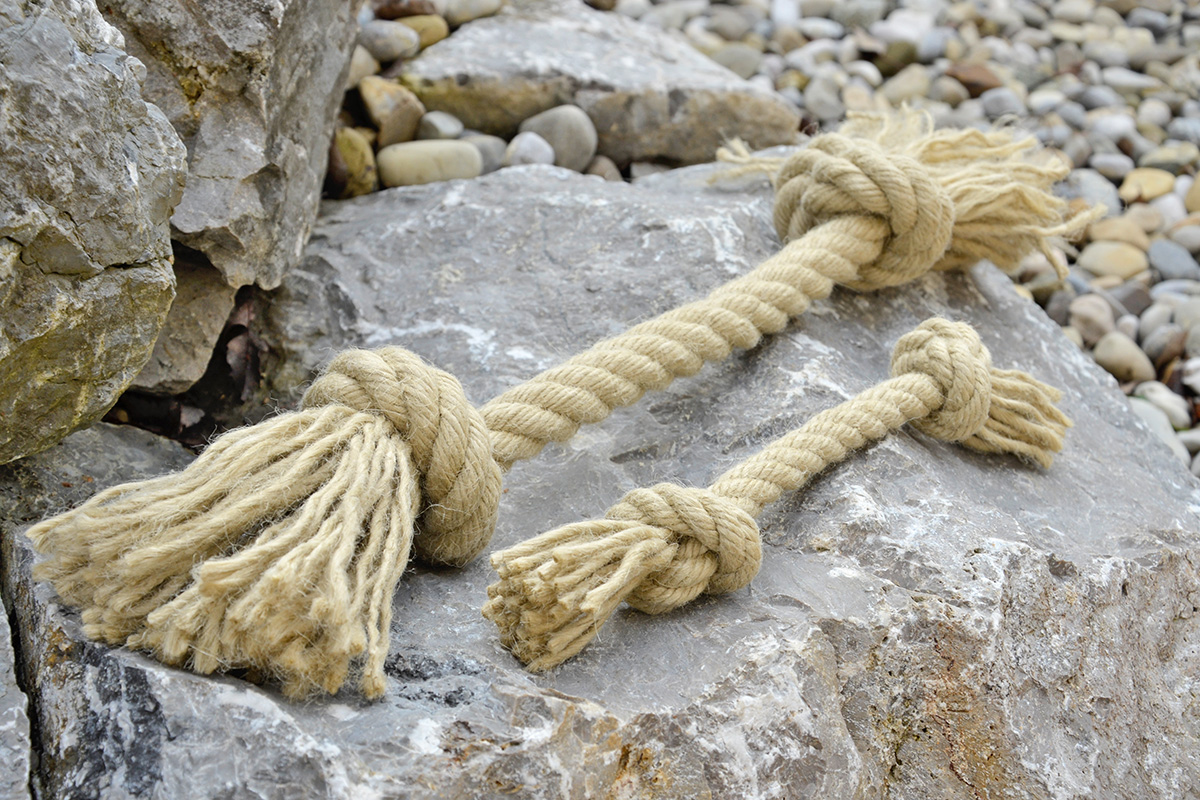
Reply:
x=650 y=95
x=89 y=173
x=928 y=622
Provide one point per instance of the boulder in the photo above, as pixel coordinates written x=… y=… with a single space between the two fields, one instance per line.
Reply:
x=928 y=622
x=254 y=90
x=649 y=95
x=89 y=173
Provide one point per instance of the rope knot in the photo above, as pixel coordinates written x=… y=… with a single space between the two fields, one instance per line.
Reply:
x=952 y=354
x=719 y=549
x=837 y=176
x=451 y=446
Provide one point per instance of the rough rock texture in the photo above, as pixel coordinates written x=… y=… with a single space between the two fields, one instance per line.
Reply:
x=929 y=622
x=89 y=173
x=202 y=304
x=253 y=88
x=14 y=723
x=649 y=95
x=254 y=94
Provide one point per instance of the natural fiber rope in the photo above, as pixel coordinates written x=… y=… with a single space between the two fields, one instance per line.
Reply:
x=661 y=547
x=272 y=551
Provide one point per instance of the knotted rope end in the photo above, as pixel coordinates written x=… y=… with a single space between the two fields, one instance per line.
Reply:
x=657 y=549
x=279 y=548
x=985 y=409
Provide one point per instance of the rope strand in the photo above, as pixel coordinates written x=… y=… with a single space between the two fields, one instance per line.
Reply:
x=661 y=547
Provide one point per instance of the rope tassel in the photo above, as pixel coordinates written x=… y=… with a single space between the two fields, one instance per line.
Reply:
x=661 y=547
x=279 y=549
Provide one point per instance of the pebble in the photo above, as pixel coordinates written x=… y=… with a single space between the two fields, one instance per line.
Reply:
x=1092 y=316
x=386 y=40
x=1160 y=425
x=528 y=148
x=414 y=163
x=1111 y=165
x=1172 y=156
x=1177 y=409
x=362 y=64
x=1001 y=101
x=569 y=131
x=604 y=167
x=739 y=58
x=394 y=9
x=911 y=82
x=1187 y=313
x=1122 y=358
x=1148 y=217
x=1191 y=377
x=439 y=125
x=1173 y=261
x=491 y=150
x=1154 y=317
x=430 y=28
x=1146 y=183
x=394 y=110
x=1164 y=344
x=1191 y=201
x=460 y=12
x=1119 y=229
x=1113 y=258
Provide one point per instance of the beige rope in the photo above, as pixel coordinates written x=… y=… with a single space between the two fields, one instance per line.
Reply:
x=278 y=549
x=661 y=547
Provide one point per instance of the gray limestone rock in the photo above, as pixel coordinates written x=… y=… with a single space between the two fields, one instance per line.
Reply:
x=649 y=95
x=15 y=749
x=928 y=622
x=254 y=90
x=89 y=173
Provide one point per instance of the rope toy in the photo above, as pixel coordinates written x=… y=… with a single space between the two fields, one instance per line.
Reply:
x=661 y=547
x=278 y=550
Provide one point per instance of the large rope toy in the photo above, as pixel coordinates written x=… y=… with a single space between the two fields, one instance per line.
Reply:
x=661 y=547
x=280 y=547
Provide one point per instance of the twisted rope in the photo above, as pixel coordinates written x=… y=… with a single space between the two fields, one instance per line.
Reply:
x=278 y=549
x=661 y=547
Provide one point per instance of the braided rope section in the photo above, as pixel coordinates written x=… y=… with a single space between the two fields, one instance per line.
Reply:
x=660 y=548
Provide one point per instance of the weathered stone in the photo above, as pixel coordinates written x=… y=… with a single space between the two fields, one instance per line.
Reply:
x=253 y=89
x=395 y=111
x=202 y=303
x=1117 y=259
x=15 y=750
x=89 y=173
x=649 y=95
x=1146 y=183
x=353 y=152
x=924 y=613
x=569 y=131
x=387 y=40
x=414 y=163
x=430 y=28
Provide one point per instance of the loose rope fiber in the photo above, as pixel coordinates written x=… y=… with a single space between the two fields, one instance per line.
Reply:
x=661 y=547
x=278 y=550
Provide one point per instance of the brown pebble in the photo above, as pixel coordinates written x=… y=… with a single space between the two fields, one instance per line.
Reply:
x=975 y=77
x=395 y=9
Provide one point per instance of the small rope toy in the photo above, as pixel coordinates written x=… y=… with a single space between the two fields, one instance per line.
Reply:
x=279 y=549
x=661 y=547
